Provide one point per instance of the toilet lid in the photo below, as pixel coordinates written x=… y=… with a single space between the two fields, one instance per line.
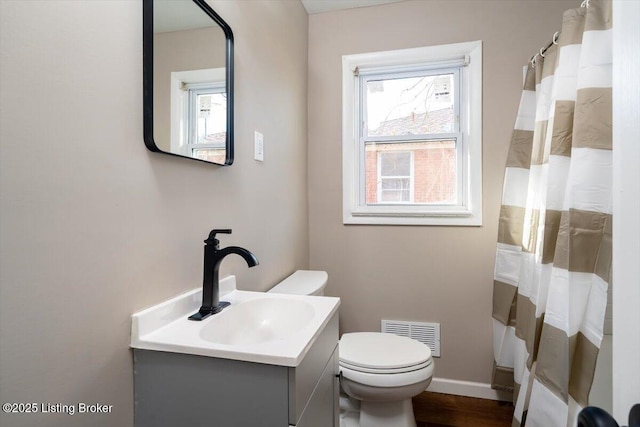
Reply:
x=381 y=351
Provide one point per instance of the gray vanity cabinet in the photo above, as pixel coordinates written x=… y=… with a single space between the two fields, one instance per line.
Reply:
x=173 y=389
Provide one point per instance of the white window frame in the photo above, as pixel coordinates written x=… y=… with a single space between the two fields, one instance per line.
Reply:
x=468 y=212
x=191 y=116
x=380 y=177
x=180 y=80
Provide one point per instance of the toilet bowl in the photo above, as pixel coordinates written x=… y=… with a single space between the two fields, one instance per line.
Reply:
x=382 y=371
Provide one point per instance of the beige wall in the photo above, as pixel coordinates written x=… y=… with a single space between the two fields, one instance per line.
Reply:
x=94 y=226
x=431 y=274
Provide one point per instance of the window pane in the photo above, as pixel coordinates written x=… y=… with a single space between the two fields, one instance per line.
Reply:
x=431 y=176
x=395 y=164
x=212 y=113
x=410 y=106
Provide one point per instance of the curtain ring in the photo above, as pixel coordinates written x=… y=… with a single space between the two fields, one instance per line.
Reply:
x=555 y=37
x=533 y=60
x=541 y=52
x=585 y=3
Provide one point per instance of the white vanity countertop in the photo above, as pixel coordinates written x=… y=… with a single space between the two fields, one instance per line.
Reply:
x=165 y=327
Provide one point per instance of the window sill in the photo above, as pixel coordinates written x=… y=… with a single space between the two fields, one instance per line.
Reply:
x=448 y=218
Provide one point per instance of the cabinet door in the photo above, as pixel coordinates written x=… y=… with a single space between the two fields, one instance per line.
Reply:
x=303 y=379
x=322 y=408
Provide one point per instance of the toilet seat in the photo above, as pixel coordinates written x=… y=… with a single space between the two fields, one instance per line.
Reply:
x=386 y=371
x=384 y=360
x=382 y=351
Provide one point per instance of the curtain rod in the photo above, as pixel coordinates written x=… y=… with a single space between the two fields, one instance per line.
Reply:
x=554 y=40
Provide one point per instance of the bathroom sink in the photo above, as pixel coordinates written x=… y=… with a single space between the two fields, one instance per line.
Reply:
x=258 y=321
x=270 y=328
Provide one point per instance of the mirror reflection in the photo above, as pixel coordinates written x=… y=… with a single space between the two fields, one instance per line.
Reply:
x=191 y=102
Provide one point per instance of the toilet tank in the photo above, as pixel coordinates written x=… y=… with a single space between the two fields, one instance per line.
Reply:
x=303 y=282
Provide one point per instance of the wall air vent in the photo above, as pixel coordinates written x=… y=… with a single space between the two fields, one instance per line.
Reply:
x=426 y=333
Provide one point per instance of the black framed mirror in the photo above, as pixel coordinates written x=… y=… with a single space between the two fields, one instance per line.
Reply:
x=188 y=81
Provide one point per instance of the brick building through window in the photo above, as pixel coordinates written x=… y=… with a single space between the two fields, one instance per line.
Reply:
x=421 y=172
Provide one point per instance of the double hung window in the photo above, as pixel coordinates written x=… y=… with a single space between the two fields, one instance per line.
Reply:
x=412 y=136
x=198 y=114
x=206 y=132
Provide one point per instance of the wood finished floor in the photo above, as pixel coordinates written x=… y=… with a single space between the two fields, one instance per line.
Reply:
x=446 y=410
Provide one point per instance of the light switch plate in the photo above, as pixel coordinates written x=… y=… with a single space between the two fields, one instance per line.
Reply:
x=259 y=147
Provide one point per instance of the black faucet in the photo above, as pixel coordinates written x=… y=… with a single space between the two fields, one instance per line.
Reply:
x=213 y=256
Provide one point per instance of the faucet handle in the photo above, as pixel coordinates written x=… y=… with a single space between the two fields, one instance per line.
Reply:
x=212 y=236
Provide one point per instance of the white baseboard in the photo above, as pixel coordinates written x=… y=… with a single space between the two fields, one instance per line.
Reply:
x=468 y=388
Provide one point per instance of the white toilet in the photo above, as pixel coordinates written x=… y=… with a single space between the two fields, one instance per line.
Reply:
x=381 y=371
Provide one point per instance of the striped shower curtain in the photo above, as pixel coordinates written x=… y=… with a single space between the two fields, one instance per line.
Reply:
x=553 y=259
